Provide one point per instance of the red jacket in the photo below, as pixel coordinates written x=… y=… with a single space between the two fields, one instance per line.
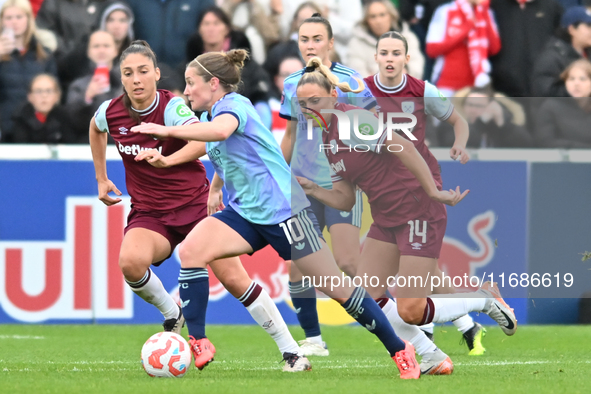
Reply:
x=447 y=40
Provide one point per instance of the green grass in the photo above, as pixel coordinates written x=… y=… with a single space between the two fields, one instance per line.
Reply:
x=105 y=359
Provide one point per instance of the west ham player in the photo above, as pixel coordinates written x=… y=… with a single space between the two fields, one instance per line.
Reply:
x=400 y=92
x=315 y=38
x=267 y=207
x=406 y=204
x=169 y=194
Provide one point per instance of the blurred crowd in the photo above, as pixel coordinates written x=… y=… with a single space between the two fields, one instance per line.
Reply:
x=517 y=70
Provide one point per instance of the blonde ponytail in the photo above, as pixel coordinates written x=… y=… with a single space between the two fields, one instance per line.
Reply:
x=318 y=74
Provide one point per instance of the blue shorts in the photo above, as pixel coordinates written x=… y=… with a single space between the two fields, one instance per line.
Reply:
x=292 y=239
x=328 y=216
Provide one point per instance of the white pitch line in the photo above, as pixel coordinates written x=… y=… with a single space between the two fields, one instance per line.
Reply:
x=20 y=337
x=242 y=365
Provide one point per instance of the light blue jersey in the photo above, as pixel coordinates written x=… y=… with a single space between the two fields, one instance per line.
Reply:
x=307 y=160
x=259 y=183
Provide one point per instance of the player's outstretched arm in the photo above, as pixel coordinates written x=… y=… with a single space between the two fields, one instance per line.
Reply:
x=412 y=159
x=461 y=132
x=286 y=142
x=190 y=152
x=219 y=129
x=341 y=196
x=98 y=146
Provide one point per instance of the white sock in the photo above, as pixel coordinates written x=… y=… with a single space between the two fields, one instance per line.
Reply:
x=464 y=323
x=151 y=290
x=406 y=331
x=450 y=308
x=264 y=311
x=427 y=327
x=317 y=340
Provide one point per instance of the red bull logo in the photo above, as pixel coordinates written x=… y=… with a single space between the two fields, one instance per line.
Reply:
x=78 y=278
x=457 y=258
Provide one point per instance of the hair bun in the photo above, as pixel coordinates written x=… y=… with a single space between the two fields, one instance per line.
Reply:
x=237 y=56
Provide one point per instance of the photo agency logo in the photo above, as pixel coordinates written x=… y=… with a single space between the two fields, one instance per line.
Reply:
x=371 y=131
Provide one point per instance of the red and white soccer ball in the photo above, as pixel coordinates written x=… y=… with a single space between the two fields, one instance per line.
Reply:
x=166 y=355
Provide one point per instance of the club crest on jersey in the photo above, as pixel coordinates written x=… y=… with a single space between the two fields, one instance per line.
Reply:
x=408 y=107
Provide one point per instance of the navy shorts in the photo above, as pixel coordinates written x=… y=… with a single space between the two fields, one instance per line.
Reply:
x=292 y=239
x=328 y=216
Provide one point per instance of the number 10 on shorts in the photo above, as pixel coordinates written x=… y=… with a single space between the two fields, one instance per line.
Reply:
x=293 y=235
x=415 y=230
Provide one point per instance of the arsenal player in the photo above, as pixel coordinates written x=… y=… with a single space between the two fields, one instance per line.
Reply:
x=169 y=194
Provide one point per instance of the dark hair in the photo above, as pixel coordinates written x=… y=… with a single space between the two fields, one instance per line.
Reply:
x=395 y=35
x=227 y=67
x=317 y=18
x=218 y=12
x=143 y=48
x=44 y=75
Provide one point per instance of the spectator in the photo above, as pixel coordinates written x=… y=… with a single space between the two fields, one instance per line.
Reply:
x=117 y=18
x=379 y=17
x=525 y=28
x=574 y=39
x=70 y=20
x=21 y=58
x=42 y=120
x=495 y=120
x=289 y=47
x=214 y=34
x=259 y=20
x=342 y=15
x=87 y=93
x=563 y=122
x=167 y=25
x=462 y=35
x=287 y=67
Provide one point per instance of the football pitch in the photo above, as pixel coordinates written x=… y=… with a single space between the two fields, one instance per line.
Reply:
x=106 y=359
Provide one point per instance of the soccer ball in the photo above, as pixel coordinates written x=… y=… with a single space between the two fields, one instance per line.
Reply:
x=166 y=355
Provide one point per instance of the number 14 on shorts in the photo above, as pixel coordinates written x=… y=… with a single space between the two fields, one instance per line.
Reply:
x=416 y=231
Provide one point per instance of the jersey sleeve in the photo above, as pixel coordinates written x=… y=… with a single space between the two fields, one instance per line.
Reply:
x=363 y=99
x=177 y=113
x=234 y=108
x=100 y=117
x=286 y=110
x=437 y=104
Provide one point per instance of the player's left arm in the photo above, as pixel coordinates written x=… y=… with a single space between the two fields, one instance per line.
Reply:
x=341 y=196
x=219 y=129
x=411 y=158
x=461 y=132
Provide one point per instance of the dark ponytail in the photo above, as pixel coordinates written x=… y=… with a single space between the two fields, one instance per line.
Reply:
x=143 y=48
x=317 y=18
x=395 y=35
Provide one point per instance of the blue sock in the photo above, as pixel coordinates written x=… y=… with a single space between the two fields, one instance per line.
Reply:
x=304 y=302
x=194 y=294
x=367 y=313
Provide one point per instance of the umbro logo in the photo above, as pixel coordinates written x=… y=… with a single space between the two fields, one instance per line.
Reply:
x=268 y=324
x=123 y=130
x=416 y=245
